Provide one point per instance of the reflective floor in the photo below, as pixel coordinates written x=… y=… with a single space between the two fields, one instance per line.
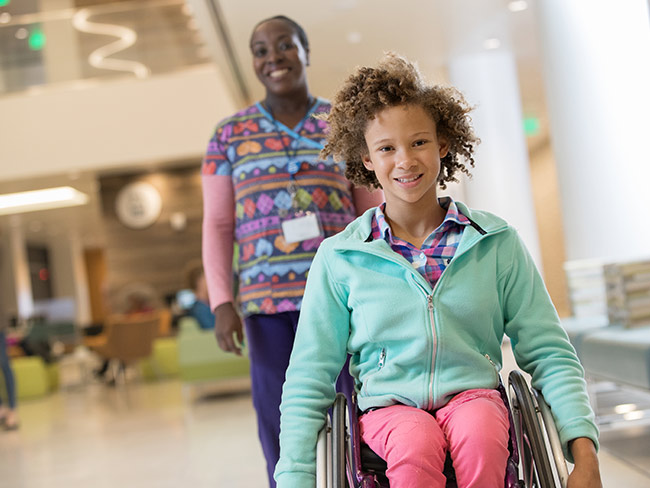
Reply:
x=153 y=435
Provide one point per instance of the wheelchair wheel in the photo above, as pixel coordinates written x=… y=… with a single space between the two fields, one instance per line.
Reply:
x=553 y=439
x=339 y=438
x=535 y=461
x=346 y=452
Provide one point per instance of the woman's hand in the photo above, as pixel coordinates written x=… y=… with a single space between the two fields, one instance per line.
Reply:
x=228 y=328
x=586 y=473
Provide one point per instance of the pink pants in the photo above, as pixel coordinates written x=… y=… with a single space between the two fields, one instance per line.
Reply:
x=473 y=427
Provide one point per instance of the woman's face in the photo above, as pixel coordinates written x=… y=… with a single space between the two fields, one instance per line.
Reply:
x=279 y=59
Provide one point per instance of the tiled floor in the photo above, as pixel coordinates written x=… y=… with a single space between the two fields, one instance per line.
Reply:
x=151 y=435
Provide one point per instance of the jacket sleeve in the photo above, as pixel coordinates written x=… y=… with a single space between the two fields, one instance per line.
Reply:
x=318 y=355
x=542 y=348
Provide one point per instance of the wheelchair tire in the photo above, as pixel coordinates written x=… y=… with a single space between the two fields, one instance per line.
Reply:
x=532 y=449
x=339 y=434
x=554 y=439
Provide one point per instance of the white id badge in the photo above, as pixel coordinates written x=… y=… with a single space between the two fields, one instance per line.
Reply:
x=301 y=228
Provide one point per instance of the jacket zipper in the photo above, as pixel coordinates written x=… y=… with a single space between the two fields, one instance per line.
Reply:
x=433 y=350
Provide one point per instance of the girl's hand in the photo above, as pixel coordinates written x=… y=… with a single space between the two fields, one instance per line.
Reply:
x=586 y=473
x=228 y=328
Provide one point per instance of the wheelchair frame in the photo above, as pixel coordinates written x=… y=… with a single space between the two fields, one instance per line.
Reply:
x=536 y=453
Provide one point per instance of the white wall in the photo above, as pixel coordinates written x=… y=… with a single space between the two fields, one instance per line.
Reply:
x=100 y=125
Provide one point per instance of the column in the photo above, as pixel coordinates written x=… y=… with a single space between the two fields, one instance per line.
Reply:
x=501 y=180
x=596 y=56
x=61 y=56
x=69 y=273
x=17 y=251
x=80 y=280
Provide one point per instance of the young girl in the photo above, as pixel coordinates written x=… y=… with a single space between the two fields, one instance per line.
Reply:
x=420 y=292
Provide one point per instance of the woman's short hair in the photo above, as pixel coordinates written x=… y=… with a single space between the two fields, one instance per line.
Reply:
x=302 y=35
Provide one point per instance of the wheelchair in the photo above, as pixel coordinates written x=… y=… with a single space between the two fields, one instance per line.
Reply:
x=536 y=459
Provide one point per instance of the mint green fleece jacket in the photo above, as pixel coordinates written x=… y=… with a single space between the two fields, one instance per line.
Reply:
x=419 y=346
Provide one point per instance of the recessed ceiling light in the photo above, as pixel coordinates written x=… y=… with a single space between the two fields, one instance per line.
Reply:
x=354 y=37
x=493 y=43
x=345 y=4
x=30 y=201
x=5 y=18
x=22 y=33
x=517 y=5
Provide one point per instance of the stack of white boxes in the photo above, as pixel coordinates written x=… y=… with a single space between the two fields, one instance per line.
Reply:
x=587 y=290
x=628 y=293
x=618 y=292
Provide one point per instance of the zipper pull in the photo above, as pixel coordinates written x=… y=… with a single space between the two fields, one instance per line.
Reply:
x=430 y=302
x=487 y=356
x=382 y=358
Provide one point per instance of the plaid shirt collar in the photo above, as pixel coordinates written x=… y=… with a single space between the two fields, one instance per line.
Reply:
x=453 y=217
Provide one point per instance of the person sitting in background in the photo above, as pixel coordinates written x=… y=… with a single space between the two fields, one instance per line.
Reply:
x=8 y=415
x=200 y=309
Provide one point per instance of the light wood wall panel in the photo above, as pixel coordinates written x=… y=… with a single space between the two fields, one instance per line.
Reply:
x=548 y=209
x=155 y=257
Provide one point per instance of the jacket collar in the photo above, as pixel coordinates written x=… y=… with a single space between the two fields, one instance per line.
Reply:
x=359 y=232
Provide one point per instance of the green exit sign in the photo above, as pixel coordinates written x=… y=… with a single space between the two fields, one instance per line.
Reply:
x=36 y=39
x=531 y=126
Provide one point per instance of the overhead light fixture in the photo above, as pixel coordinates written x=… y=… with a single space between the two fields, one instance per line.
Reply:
x=636 y=415
x=30 y=201
x=99 y=58
x=517 y=5
x=625 y=408
x=493 y=43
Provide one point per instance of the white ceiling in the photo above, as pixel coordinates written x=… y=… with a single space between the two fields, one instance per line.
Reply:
x=346 y=33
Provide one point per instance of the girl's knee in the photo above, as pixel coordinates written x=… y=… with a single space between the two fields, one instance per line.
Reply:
x=402 y=431
x=418 y=434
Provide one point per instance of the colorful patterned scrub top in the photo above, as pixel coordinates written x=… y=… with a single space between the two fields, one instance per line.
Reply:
x=255 y=151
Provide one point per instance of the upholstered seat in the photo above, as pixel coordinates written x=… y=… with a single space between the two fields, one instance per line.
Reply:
x=126 y=338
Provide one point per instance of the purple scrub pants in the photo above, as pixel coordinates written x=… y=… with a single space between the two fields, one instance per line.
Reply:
x=269 y=340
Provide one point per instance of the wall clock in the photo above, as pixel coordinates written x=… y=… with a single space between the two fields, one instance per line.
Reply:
x=138 y=205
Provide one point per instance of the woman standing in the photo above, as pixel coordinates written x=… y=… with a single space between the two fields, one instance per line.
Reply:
x=266 y=189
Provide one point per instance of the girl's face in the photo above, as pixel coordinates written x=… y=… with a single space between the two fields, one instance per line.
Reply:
x=279 y=59
x=404 y=152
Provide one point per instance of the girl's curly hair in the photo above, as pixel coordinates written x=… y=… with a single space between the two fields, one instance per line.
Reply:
x=396 y=81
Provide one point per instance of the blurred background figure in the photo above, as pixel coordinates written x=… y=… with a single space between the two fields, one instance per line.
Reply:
x=200 y=308
x=8 y=415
